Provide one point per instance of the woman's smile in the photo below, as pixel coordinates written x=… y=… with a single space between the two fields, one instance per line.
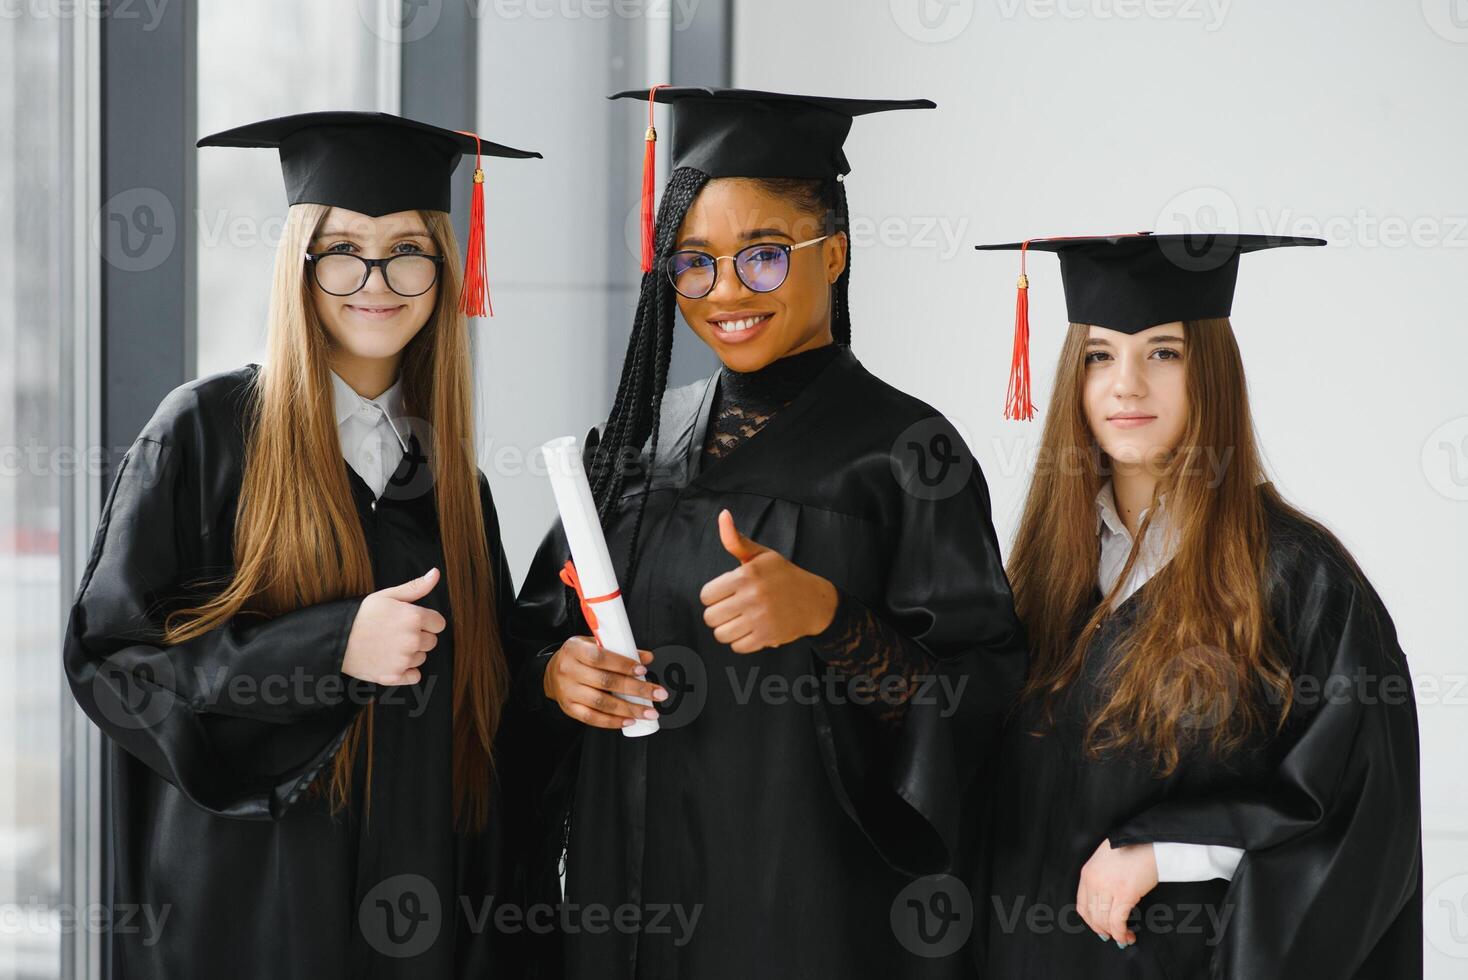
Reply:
x=738 y=328
x=375 y=313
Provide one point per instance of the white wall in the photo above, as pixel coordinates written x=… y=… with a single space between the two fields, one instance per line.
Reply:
x=1302 y=117
x=562 y=273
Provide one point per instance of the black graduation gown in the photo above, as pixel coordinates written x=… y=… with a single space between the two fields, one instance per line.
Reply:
x=1328 y=812
x=787 y=824
x=213 y=741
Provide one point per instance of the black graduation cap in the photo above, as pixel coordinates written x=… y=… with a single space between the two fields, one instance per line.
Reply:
x=1132 y=282
x=734 y=132
x=377 y=163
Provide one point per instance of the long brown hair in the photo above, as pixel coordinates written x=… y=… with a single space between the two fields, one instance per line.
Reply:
x=1200 y=664
x=298 y=540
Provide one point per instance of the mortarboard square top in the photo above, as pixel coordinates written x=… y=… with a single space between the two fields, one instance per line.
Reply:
x=376 y=163
x=734 y=132
x=373 y=163
x=1132 y=282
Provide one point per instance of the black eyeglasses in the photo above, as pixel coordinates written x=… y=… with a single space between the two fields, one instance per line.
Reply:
x=762 y=267
x=406 y=273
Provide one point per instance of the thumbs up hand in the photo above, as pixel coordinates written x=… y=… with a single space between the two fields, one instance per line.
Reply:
x=392 y=635
x=767 y=601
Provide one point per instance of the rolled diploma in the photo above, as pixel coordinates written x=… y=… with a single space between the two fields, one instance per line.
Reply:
x=593 y=561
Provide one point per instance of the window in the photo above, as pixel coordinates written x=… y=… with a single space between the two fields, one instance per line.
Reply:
x=298 y=57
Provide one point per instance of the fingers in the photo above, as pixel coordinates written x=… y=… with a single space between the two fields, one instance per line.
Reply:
x=588 y=679
x=428 y=619
x=410 y=675
x=414 y=589
x=750 y=643
x=426 y=641
x=734 y=630
x=1088 y=906
x=594 y=719
x=1116 y=922
x=735 y=543
x=723 y=611
x=720 y=588
x=587 y=651
x=615 y=683
x=591 y=706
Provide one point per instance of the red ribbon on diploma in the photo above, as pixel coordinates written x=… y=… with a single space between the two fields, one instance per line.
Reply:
x=569 y=576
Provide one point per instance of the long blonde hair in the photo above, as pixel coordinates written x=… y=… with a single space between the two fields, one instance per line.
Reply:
x=1201 y=664
x=298 y=540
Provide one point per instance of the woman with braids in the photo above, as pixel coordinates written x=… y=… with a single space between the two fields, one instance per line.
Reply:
x=807 y=555
x=1213 y=770
x=289 y=625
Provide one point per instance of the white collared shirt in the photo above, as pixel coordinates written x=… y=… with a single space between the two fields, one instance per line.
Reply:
x=373 y=431
x=1175 y=862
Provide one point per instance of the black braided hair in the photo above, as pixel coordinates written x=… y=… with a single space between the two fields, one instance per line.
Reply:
x=634 y=417
x=633 y=420
x=839 y=220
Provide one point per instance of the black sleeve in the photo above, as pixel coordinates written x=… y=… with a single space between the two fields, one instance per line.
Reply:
x=945 y=619
x=862 y=644
x=1332 y=839
x=241 y=718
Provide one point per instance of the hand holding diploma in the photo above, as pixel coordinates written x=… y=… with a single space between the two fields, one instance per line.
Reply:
x=598 y=681
x=589 y=682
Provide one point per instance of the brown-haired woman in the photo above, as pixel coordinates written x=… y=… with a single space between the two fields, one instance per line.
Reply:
x=289 y=624
x=1212 y=770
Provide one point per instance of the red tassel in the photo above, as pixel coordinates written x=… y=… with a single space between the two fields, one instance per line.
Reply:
x=474 y=297
x=649 y=180
x=1017 y=404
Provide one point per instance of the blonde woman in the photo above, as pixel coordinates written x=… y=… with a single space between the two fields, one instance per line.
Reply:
x=1213 y=768
x=289 y=624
